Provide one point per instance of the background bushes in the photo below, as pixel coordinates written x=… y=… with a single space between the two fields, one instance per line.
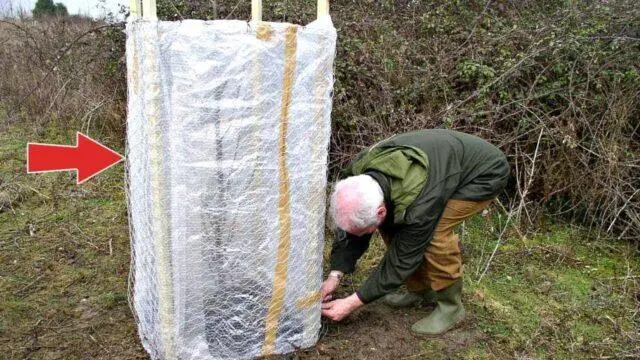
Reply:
x=555 y=84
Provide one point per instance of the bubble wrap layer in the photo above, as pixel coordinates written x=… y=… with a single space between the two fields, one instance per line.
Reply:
x=228 y=131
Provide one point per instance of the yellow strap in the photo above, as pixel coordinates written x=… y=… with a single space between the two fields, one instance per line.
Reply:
x=284 y=208
x=264 y=31
x=309 y=300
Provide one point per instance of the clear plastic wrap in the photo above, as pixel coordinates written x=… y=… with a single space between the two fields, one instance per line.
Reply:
x=228 y=132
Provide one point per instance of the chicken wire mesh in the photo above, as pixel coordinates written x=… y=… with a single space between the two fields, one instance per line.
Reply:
x=228 y=131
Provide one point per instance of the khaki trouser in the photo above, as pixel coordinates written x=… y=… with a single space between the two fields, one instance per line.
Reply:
x=442 y=264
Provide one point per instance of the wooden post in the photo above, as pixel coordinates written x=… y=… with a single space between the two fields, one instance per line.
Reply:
x=161 y=224
x=134 y=8
x=149 y=9
x=323 y=8
x=256 y=10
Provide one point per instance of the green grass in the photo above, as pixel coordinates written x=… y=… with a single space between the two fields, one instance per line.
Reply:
x=554 y=295
x=64 y=257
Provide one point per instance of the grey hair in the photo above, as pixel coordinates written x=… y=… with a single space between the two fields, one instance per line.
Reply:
x=365 y=192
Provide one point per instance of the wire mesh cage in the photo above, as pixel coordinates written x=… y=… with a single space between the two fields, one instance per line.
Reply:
x=227 y=130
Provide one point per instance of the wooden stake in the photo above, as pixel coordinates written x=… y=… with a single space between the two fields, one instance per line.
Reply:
x=149 y=9
x=134 y=8
x=256 y=10
x=323 y=8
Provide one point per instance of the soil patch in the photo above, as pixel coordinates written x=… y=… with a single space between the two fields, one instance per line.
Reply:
x=380 y=332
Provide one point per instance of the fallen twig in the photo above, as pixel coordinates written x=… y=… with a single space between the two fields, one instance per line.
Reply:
x=26 y=287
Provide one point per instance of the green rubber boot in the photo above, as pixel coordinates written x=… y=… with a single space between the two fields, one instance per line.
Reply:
x=447 y=314
x=427 y=297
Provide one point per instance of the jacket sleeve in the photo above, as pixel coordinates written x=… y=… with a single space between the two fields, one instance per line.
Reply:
x=406 y=251
x=401 y=259
x=347 y=249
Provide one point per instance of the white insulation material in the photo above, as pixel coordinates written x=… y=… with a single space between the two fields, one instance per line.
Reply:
x=228 y=133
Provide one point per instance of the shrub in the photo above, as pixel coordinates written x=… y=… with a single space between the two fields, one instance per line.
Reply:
x=47 y=7
x=69 y=71
x=555 y=84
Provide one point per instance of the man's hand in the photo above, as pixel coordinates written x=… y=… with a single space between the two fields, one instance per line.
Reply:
x=330 y=285
x=339 y=309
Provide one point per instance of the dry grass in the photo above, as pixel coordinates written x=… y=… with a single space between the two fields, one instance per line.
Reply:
x=62 y=70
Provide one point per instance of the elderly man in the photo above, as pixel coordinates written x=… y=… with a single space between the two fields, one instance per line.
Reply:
x=415 y=188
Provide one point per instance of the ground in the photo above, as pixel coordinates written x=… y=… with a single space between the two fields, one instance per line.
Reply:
x=64 y=263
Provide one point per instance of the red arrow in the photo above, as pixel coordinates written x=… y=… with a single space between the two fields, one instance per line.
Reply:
x=88 y=158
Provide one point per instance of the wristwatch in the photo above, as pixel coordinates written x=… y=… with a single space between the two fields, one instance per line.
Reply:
x=336 y=274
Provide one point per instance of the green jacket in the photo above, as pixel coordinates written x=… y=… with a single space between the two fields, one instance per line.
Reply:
x=418 y=173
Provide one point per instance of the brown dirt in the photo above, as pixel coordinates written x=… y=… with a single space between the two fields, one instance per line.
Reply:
x=380 y=332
